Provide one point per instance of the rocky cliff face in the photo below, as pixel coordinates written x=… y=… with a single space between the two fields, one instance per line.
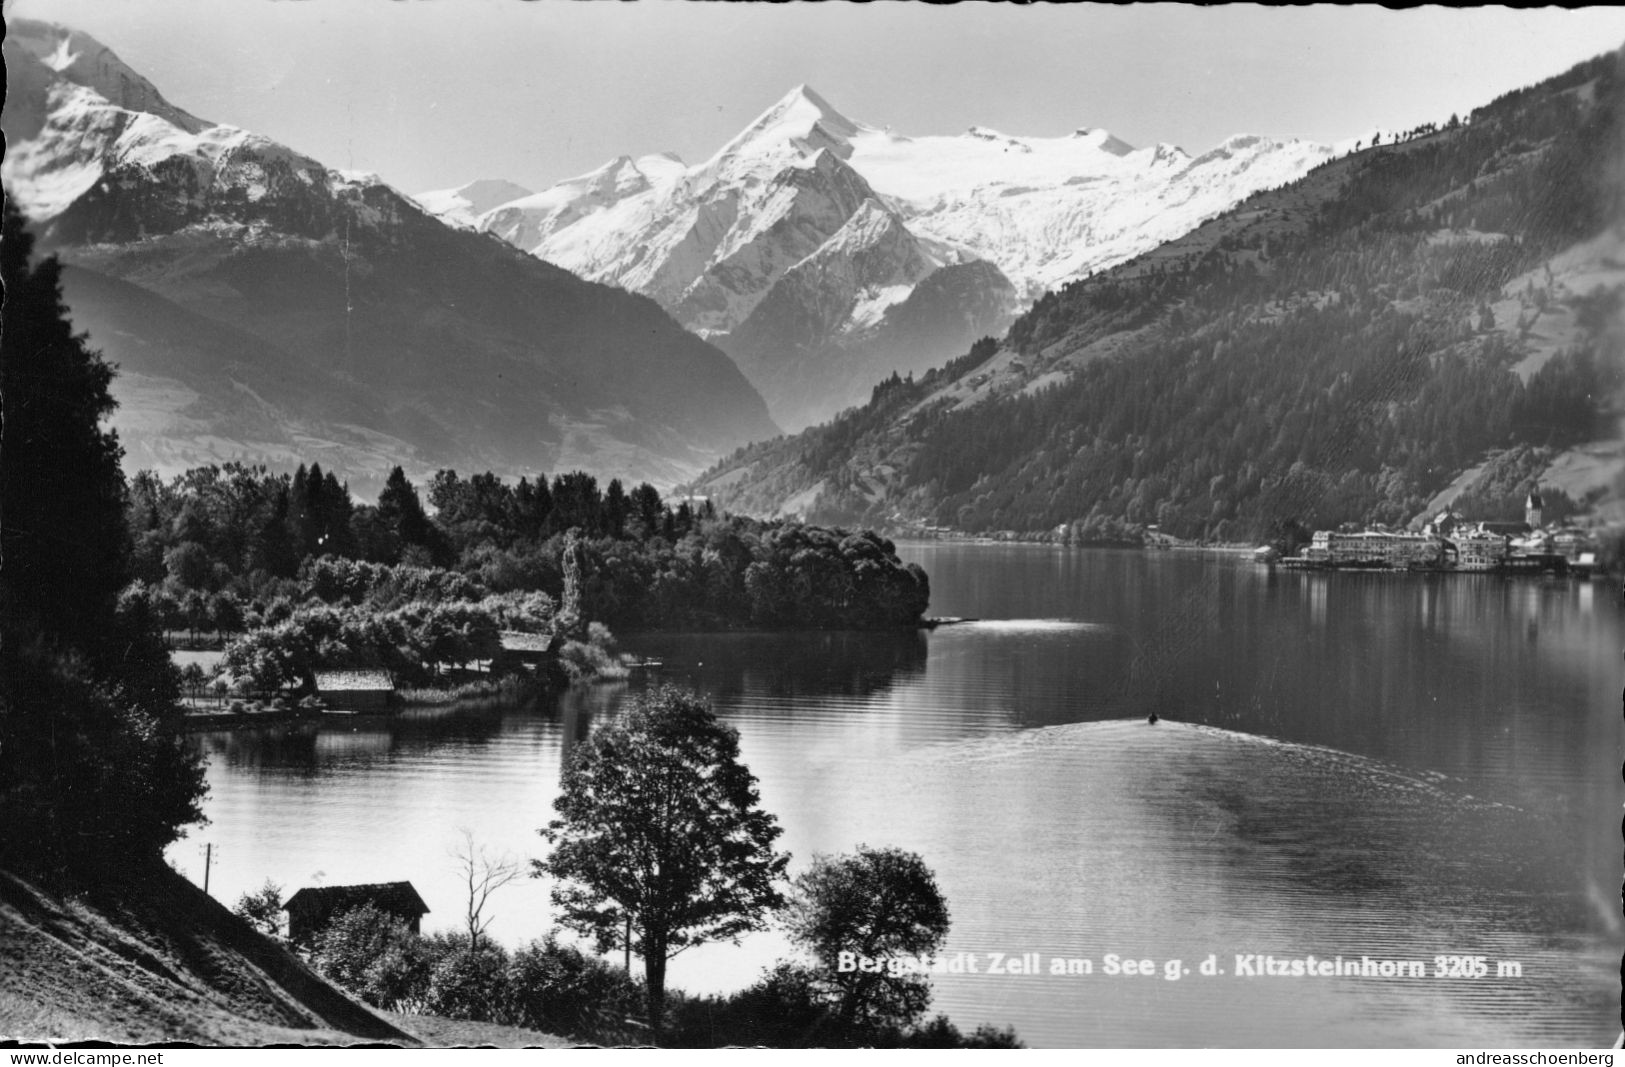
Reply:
x=834 y=325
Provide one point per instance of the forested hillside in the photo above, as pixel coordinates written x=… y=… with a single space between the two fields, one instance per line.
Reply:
x=1446 y=300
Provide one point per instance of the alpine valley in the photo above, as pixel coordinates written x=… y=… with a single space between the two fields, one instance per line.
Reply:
x=267 y=308
x=824 y=254
x=1432 y=319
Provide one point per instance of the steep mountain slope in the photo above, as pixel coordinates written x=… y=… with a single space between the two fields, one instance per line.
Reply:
x=1443 y=306
x=789 y=350
x=868 y=303
x=790 y=244
x=412 y=332
x=196 y=390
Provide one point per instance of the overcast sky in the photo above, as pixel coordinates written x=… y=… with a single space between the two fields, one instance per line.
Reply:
x=434 y=93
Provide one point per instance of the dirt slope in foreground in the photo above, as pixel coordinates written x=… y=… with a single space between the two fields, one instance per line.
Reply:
x=156 y=961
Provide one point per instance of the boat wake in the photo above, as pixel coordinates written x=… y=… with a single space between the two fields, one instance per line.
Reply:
x=1211 y=753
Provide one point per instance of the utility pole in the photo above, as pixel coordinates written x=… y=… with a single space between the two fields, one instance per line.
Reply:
x=208 y=861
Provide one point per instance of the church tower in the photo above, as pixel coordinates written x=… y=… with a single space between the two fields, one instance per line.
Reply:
x=1532 y=508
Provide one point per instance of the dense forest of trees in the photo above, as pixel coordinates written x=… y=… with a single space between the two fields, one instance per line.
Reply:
x=1332 y=357
x=233 y=548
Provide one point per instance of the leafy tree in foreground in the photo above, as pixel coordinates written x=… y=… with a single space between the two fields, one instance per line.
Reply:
x=659 y=844
x=89 y=777
x=879 y=904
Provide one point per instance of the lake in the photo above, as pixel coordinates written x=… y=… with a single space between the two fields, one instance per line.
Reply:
x=1354 y=767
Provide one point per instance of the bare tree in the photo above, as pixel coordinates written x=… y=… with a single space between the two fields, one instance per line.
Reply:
x=484 y=875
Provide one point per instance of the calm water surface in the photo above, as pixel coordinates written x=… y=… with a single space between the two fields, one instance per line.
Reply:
x=1390 y=766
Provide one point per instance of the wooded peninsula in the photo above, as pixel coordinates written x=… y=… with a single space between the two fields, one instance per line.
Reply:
x=291 y=575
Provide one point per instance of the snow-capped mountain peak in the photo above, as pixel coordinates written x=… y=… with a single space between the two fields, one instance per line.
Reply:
x=462 y=205
x=529 y=221
x=75 y=57
x=266 y=305
x=803 y=109
x=76 y=115
x=806 y=216
x=798 y=125
x=1238 y=144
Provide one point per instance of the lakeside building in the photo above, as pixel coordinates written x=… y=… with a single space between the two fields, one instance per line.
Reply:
x=356 y=690
x=1375 y=549
x=524 y=650
x=312 y=908
x=1480 y=550
x=1447 y=544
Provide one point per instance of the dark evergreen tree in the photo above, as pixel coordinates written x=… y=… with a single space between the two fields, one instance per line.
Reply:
x=616 y=509
x=647 y=507
x=577 y=502
x=300 y=519
x=271 y=547
x=401 y=514
x=533 y=505
x=89 y=776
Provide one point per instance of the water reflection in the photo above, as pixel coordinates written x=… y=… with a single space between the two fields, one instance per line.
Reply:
x=847 y=667
x=1350 y=763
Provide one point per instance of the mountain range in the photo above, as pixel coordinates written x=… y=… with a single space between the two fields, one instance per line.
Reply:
x=1435 y=320
x=823 y=253
x=1359 y=336
x=264 y=307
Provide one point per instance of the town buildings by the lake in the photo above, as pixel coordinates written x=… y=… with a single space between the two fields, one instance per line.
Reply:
x=1448 y=542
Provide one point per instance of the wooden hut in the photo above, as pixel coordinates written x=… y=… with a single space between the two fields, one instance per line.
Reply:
x=523 y=649
x=311 y=909
x=365 y=690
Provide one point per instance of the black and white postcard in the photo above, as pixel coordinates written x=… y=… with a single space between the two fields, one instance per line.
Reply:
x=833 y=525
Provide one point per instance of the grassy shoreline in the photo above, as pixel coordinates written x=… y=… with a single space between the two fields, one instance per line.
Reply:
x=506 y=687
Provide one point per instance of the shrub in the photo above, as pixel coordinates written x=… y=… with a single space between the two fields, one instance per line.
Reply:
x=375 y=956
x=262 y=909
x=783 y=1009
x=590 y=661
x=466 y=982
x=940 y=1033
x=599 y=636
x=562 y=990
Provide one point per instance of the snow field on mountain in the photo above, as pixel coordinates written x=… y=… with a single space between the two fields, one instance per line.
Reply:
x=1045 y=210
